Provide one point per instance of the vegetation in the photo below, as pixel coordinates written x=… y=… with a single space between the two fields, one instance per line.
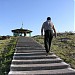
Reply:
x=7 y=47
x=63 y=46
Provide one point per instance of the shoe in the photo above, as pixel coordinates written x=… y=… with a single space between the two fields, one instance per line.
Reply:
x=46 y=54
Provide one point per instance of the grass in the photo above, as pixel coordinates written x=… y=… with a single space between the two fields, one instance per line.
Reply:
x=64 y=49
x=3 y=43
x=6 y=54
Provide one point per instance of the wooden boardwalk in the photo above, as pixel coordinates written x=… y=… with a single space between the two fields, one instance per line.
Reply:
x=30 y=59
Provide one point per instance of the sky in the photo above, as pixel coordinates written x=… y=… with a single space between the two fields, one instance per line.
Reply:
x=32 y=13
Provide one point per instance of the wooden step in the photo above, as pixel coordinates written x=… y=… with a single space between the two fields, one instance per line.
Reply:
x=31 y=47
x=29 y=51
x=37 y=61
x=67 y=71
x=31 y=54
x=30 y=67
x=34 y=57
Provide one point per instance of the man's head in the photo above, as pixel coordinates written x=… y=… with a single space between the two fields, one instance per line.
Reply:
x=48 y=18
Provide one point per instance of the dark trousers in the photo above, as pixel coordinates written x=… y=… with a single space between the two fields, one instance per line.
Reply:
x=47 y=39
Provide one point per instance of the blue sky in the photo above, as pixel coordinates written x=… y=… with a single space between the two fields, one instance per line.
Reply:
x=34 y=12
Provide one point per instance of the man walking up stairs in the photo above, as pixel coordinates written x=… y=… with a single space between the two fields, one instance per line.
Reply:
x=30 y=59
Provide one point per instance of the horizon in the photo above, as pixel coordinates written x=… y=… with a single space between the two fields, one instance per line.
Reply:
x=40 y=34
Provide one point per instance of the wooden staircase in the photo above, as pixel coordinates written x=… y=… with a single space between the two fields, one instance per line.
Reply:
x=30 y=59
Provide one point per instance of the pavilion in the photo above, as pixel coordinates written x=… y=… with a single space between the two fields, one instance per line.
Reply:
x=21 y=32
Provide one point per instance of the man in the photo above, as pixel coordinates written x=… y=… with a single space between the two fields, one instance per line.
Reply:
x=48 y=28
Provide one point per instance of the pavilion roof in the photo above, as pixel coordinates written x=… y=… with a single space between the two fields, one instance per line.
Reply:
x=21 y=31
